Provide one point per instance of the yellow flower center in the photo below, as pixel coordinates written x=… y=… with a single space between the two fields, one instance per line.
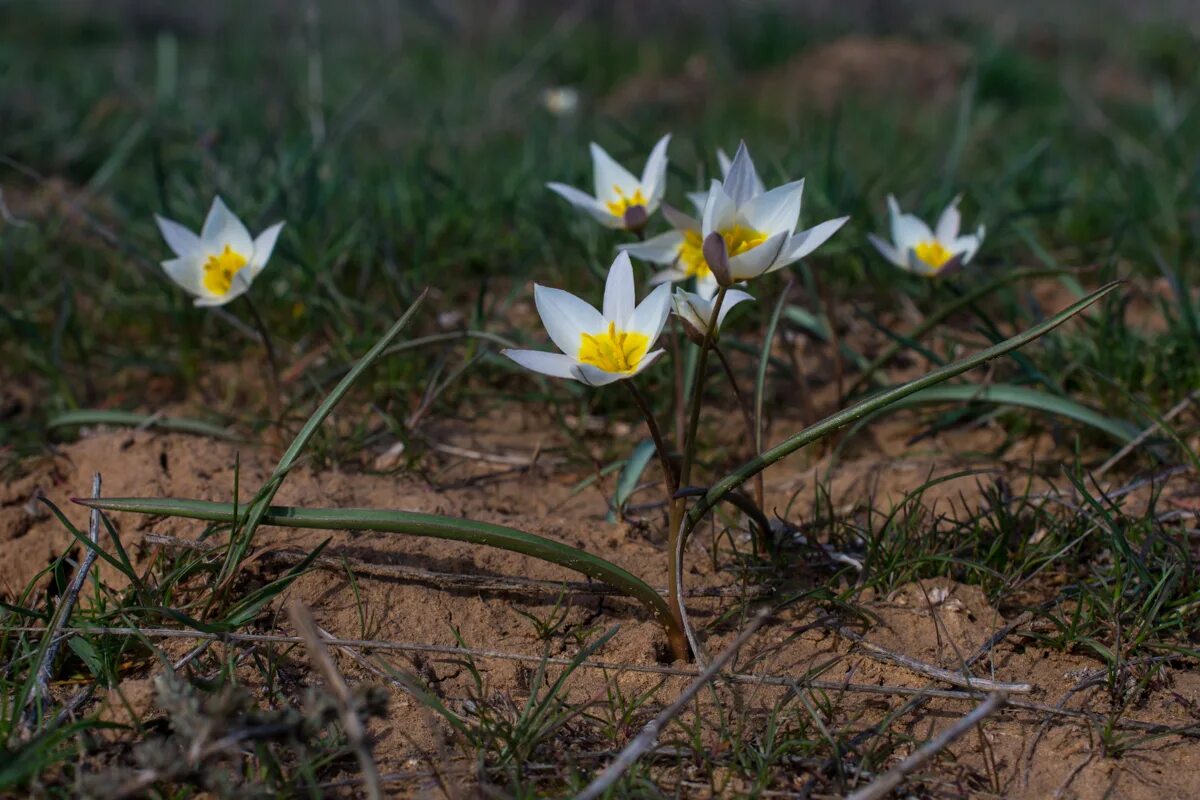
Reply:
x=933 y=253
x=614 y=350
x=691 y=255
x=625 y=202
x=738 y=240
x=220 y=269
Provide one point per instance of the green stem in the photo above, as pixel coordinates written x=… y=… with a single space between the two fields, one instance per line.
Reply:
x=689 y=449
x=748 y=419
x=670 y=479
x=276 y=398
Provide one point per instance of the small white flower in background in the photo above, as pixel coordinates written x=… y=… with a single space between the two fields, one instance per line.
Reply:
x=758 y=227
x=696 y=311
x=725 y=163
x=621 y=199
x=221 y=263
x=560 y=101
x=916 y=248
x=598 y=347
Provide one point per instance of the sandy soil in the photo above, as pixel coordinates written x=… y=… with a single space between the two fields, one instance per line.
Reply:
x=938 y=622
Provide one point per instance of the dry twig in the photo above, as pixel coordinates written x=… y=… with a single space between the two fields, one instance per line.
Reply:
x=356 y=732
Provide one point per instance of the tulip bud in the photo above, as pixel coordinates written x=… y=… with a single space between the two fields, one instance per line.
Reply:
x=718 y=258
x=636 y=218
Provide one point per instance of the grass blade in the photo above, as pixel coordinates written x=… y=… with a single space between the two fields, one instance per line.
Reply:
x=631 y=475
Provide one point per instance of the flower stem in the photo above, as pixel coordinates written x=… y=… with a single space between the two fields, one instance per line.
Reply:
x=751 y=429
x=689 y=449
x=670 y=478
x=276 y=397
x=675 y=635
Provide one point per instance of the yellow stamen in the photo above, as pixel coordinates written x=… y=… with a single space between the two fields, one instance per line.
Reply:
x=625 y=202
x=933 y=253
x=614 y=350
x=738 y=240
x=691 y=255
x=220 y=269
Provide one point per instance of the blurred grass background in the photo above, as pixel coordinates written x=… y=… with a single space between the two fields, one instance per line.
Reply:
x=407 y=144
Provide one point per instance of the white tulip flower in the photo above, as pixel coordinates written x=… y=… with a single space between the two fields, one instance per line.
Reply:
x=759 y=229
x=696 y=310
x=221 y=263
x=598 y=347
x=916 y=248
x=621 y=200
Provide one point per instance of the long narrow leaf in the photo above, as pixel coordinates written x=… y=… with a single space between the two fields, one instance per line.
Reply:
x=410 y=524
x=240 y=543
x=96 y=416
x=1009 y=395
x=873 y=404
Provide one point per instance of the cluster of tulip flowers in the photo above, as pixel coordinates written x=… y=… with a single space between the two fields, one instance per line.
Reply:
x=743 y=231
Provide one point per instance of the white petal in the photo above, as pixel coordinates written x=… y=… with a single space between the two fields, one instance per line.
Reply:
x=692 y=308
x=804 y=242
x=188 y=274
x=654 y=176
x=619 y=293
x=887 y=250
x=757 y=260
x=741 y=180
x=264 y=245
x=610 y=176
x=681 y=221
x=182 y=242
x=566 y=317
x=724 y=161
x=732 y=298
x=587 y=204
x=968 y=245
x=776 y=210
x=697 y=200
x=949 y=222
x=651 y=314
x=661 y=249
x=720 y=212
x=555 y=365
x=908 y=230
x=668 y=275
x=222 y=228
x=707 y=286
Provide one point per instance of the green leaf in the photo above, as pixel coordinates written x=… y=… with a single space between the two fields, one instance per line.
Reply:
x=96 y=416
x=871 y=405
x=631 y=476
x=88 y=654
x=1008 y=395
x=409 y=524
x=239 y=543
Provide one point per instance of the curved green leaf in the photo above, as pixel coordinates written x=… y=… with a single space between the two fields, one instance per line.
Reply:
x=130 y=419
x=865 y=408
x=407 y=523
x=1009 y=395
